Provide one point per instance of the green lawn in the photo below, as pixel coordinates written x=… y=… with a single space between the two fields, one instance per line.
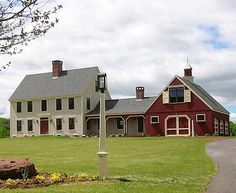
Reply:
x=156 y=164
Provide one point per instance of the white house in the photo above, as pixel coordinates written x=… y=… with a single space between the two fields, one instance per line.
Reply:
x=54 y=103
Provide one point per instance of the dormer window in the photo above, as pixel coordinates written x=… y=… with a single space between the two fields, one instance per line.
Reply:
x=176 y=94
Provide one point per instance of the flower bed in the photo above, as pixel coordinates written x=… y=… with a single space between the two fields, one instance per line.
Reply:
x=45 y=179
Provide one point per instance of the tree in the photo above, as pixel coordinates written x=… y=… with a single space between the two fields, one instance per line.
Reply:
x=22 y=21
x=232 y=128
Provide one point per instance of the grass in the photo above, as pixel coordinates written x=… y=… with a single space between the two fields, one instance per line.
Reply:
x=158 y=165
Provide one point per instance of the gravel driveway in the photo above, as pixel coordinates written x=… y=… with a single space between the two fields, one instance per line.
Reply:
x=224 y=153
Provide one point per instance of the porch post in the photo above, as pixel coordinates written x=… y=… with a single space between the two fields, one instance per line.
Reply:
x=192 y=127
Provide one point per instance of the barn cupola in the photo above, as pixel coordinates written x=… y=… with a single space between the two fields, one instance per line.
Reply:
x=56 y=68
x=139 y=92
x=188 y=73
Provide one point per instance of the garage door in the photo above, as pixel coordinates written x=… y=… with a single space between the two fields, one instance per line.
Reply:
x=177 y=125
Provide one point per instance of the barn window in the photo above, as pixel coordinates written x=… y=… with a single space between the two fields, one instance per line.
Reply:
x=176 y=94
x=216 y=124
x=201 y=117
x=221 y=127
x=154 y=119
x=226 y=128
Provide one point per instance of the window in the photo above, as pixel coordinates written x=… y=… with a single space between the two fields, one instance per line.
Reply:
x=221 y=127
x=216 y=124
x=44 y=105
x=201 y=117
x=58 y=124
x=29 y=106
x=226 y=128
x=71 y=103
x=18 y=107
x=19 y=125
x=58 y=104
x=176 y=94
x=30 y=125
x=119 y=123
x=154 y=119
x=71 y=123
x=88 y=103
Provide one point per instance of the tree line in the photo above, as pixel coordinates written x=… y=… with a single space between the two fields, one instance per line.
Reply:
x=4 y=127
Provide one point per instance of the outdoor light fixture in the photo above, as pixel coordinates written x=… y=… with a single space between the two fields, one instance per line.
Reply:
x=102 y=153
x=101 y=84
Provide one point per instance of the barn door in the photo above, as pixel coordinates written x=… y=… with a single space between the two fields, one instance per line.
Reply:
x=177 y=125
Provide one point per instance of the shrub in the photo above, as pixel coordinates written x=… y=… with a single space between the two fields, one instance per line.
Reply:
x=4 y=127
x=232 y=128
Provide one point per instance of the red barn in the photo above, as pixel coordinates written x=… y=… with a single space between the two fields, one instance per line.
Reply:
x=184 y=108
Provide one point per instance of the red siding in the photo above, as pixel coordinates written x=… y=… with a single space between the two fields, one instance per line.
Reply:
x=196 y=106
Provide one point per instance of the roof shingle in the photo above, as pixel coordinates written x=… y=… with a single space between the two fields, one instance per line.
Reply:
x=205 y=96
x=71 y=82
x=125 y=106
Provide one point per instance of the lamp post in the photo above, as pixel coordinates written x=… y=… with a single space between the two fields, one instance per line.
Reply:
x=102 y=153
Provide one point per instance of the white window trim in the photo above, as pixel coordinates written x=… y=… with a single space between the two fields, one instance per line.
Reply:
x=176 y=86
x=22 y=122
x=226 y=127
x=33 y=122
x=221 y=126
x=216 y=125
x=154 y=116
x=62 y=120
x=61 y=104
x=200 y=120
x=71 y=117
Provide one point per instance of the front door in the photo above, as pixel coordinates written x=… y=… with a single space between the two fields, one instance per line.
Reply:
x=43 y=125
x=140 y=124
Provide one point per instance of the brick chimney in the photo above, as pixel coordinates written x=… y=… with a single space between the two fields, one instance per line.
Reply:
x=139 y=92
x=56 y=68
x=188 y=73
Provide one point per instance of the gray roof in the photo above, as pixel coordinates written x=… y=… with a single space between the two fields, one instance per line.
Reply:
x=71 y=82
x=205 y=96
x=125 y=106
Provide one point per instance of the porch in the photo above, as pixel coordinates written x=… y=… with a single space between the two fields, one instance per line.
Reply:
x=132 y=125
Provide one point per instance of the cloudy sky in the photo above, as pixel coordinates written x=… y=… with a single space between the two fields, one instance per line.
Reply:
x=137 y=42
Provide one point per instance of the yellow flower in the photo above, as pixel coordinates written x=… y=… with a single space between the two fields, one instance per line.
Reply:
x=55 y=177
x=10 y=182
x=39 y=178
x=83 y=177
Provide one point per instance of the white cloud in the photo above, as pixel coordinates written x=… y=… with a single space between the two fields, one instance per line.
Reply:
x=137 y=42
